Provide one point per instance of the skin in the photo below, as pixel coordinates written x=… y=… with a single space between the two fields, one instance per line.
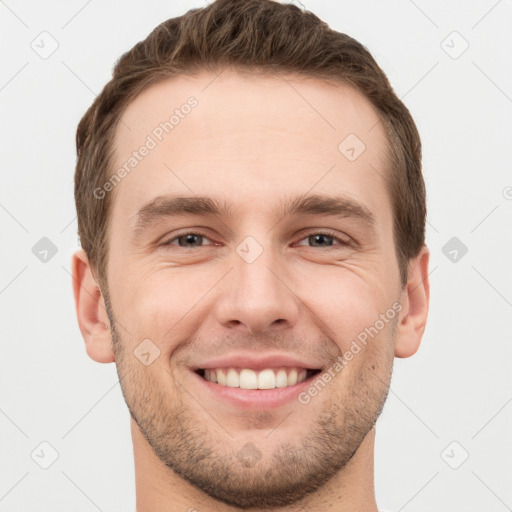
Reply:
x=252 y=140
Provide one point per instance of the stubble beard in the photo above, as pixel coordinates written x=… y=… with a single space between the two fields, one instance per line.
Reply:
x=207 y=458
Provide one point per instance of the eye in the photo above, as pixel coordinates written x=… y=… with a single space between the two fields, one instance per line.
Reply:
x=325 y=237
x=188 y=240
x=192 y=240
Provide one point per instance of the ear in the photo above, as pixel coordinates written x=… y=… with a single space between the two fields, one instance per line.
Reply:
x=90 y=310
x=415 y=298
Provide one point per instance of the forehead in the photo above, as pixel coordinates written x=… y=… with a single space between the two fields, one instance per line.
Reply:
x=239 y=135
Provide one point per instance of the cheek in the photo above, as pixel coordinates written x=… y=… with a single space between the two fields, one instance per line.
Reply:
x=346 y=303
x=167 y=305
x=163 y=304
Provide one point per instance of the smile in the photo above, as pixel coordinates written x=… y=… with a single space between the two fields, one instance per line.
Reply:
x=246 y=378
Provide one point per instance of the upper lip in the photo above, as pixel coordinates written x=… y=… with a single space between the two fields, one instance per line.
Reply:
x=258 y=361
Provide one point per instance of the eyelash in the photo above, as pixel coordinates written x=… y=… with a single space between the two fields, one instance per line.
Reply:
x=342 y=243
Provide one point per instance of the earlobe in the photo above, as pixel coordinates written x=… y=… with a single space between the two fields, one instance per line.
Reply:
x=415 y=301
x=90 y=310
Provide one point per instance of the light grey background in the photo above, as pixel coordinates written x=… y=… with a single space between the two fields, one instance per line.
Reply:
x=452 y=399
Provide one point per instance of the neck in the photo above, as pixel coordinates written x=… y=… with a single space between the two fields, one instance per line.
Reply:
x=159 y=489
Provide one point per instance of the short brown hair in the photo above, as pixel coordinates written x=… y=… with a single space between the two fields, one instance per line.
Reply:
x=250 y=35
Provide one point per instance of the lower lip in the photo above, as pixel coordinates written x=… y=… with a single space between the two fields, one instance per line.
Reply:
x=254 y=398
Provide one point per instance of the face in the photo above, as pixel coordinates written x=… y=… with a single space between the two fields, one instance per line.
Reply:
x=282 y=266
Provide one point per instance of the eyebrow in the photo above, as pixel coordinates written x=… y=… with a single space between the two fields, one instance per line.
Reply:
x=168 y=206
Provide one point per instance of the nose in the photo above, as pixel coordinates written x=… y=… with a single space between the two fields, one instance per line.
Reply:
x=257 y=297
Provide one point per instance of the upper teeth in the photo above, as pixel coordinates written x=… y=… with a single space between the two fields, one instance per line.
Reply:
x=249 y=379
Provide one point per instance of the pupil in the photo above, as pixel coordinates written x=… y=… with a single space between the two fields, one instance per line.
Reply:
x=316 y=237
x=189 y=239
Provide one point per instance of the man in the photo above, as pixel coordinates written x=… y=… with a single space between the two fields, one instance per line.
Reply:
x=252 y=214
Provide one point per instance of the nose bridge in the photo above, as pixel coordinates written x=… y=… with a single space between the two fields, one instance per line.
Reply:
x=256 y=297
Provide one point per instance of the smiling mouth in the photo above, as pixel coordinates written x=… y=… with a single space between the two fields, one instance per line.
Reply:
x=246 y=378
